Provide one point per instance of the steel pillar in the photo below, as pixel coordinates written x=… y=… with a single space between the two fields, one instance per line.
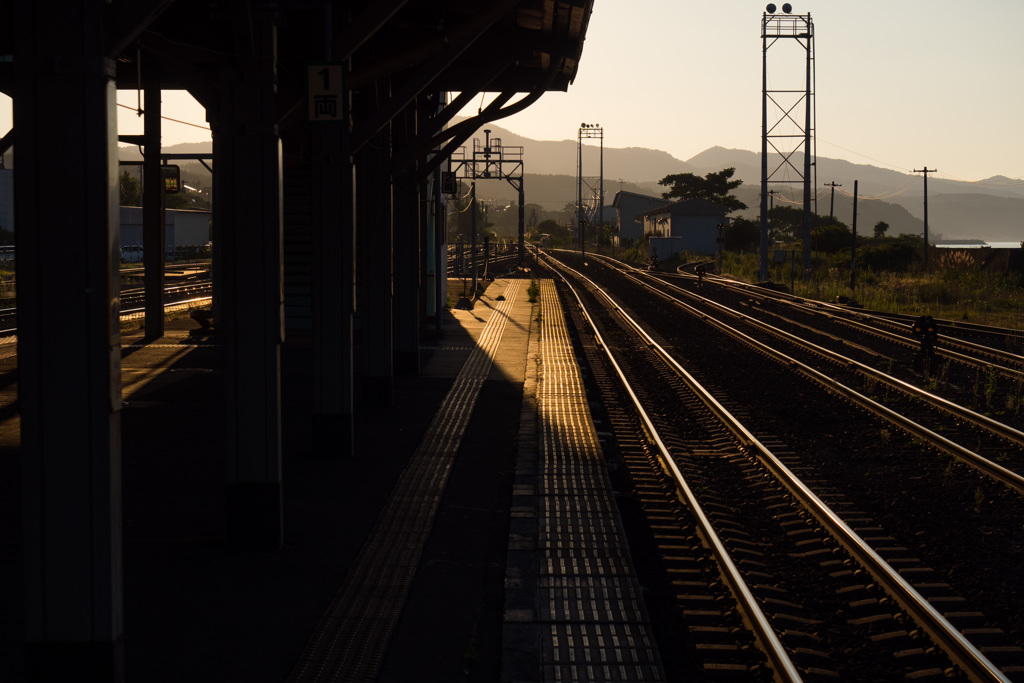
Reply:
x=69 y=343
x=374 y=226
x=438 y=222
x=522 y=229
x=247 y=153
x=407 y=252
x=333 y=291
x=153 y=225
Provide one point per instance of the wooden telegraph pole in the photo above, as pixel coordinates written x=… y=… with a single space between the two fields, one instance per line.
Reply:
x=853 y=249
x=926 y=171
x=832 y=202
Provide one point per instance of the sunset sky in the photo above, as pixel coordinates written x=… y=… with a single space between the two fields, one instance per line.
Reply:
x=901 y=85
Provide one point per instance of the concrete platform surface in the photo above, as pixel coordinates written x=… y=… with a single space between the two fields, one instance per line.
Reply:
x=198 y=609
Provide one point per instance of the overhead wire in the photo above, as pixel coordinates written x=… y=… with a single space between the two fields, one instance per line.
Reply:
x=168 y=118
x=877 y=161
x=459 y=199
x=880 y=197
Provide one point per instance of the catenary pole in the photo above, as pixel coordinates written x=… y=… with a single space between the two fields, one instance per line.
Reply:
x=472 y=228
x=579 y=188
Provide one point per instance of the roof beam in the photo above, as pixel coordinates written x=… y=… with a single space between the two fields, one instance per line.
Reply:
x=458 y=42
x=366 y=25
x=127 y=20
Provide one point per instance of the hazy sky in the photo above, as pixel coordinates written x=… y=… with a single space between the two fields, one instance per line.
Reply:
x=899 y=84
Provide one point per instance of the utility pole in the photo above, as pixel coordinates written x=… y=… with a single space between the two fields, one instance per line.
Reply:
x=853 y=250
x=721 y=243
x=831 y=206
x=926 y=171
x=832 y=202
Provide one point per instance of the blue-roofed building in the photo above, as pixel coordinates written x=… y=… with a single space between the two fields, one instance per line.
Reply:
x=629 y=209
x=693 y=223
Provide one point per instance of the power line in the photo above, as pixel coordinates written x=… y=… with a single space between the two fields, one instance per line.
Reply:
x=168 y=118
x=877 y=161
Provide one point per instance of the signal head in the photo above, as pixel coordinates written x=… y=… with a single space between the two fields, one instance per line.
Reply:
x=770 y=8
x=787 y=8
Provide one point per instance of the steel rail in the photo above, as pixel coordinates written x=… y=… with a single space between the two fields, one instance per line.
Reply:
x=753 y=616
x=948 y=353
x=842 y=315
x=131 y=292
x=956 y=409
x=975 y=665
x=987 y=467
x=130 y=312
x=135 y=312
x=894 y=318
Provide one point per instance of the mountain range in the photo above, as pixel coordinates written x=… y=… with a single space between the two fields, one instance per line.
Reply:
x=990 y=209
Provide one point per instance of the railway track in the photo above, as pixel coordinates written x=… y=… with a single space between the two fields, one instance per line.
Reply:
x=944 y=423
x=853 y=549
x=502 y=257
x=176 y=297
x=970 y=344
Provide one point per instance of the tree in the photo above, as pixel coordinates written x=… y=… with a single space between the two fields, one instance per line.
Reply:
x=130 y=191
x=892 y=255
x=560 y=235
x=880 y=228
x=180 y=200
x=714 y=187
x=742 y=234
x=460 y=216
x=832 y=237
x=785 y=224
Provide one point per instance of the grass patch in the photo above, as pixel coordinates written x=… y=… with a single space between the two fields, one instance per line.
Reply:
x=963 y=294
x=533 y=291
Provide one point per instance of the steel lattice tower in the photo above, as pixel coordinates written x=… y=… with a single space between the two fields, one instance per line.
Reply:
x=791 y=127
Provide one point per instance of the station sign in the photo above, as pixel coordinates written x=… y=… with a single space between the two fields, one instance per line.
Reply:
x=326 y=93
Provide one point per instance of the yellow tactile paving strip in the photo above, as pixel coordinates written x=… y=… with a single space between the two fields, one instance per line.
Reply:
x=573 y=610
x=353 y=635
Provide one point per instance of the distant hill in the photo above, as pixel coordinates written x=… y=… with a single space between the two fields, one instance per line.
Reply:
x=553 y=192
x=131 y=152
x=547 y=157
x=990 y=210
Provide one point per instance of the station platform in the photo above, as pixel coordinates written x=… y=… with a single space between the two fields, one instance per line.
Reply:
x=473 y=537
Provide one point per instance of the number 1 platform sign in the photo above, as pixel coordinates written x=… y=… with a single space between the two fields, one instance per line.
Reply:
x=327 y=93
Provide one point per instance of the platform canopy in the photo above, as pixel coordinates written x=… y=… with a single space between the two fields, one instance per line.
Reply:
x=506 y=45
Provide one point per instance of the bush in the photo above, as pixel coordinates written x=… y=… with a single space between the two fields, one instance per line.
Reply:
x=890 y=255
